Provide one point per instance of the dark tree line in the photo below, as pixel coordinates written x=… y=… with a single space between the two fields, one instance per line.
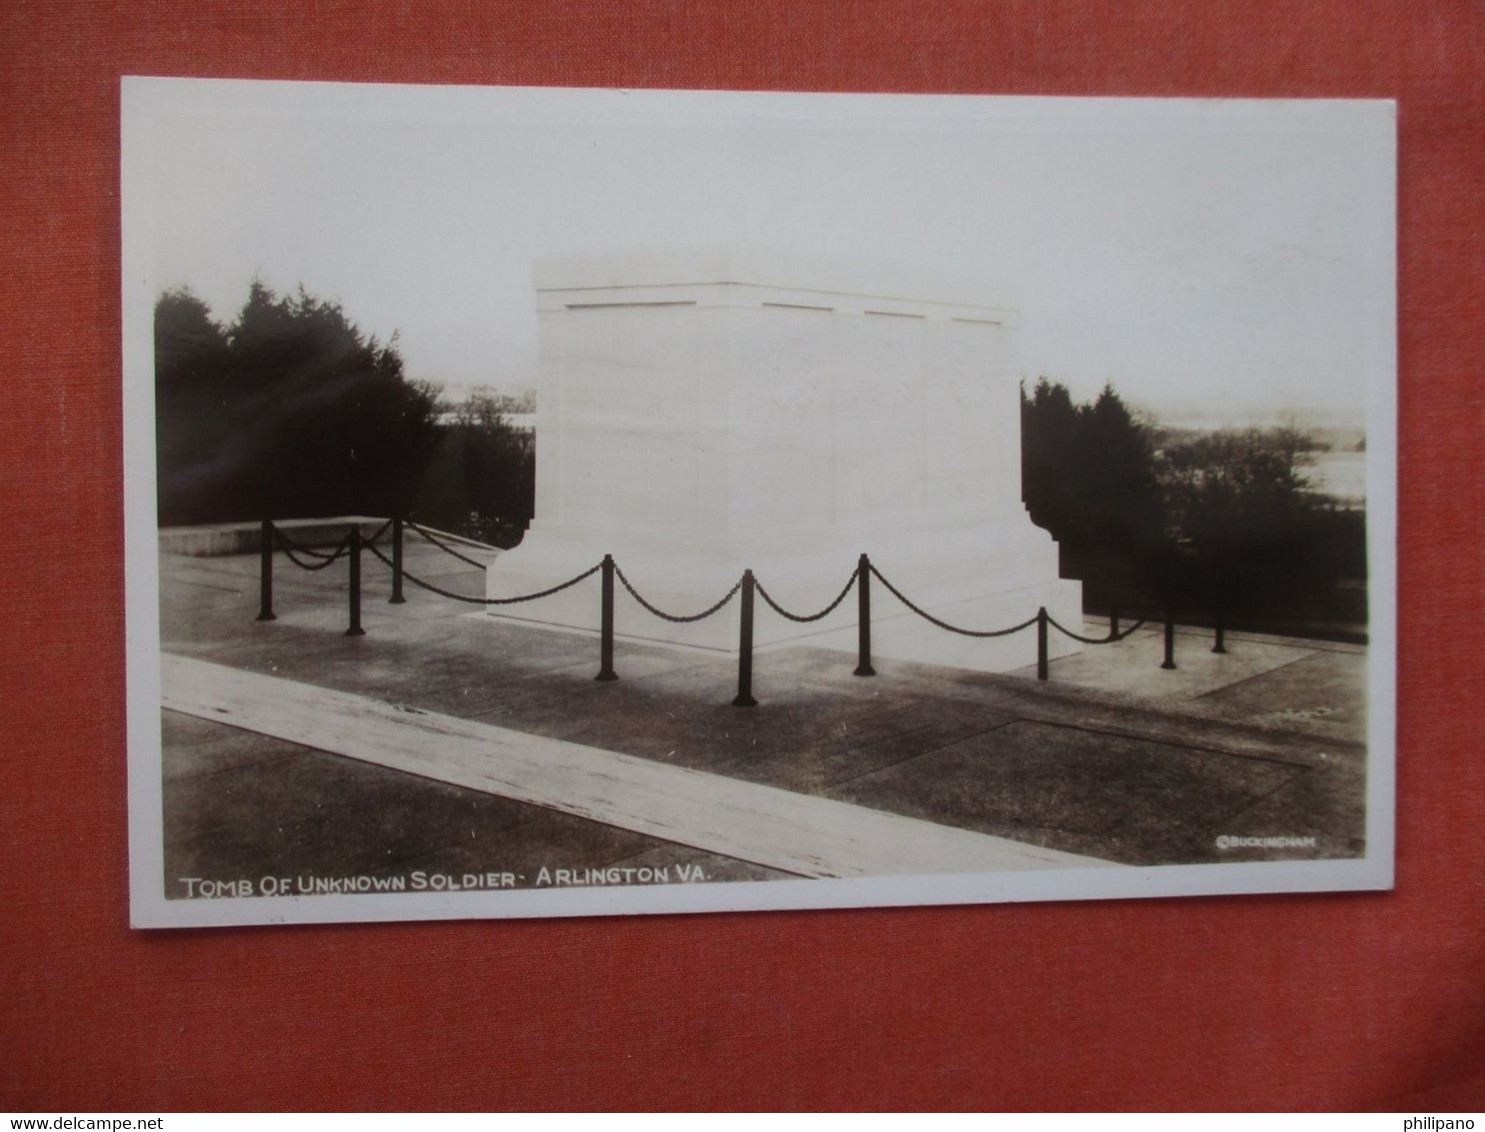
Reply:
x=481 y=482
x=1088 y=477
x=288 y=410
x=1225 y=520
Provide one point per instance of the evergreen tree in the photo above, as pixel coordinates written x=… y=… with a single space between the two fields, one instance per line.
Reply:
x=190 y=346
x=192 y=360
x=288 y=411
x=1212 y=521
x=1088 y=477
x=1240 y=504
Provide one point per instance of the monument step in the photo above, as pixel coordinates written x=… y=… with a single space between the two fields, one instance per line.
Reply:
x=214 y=540
x=218 y=540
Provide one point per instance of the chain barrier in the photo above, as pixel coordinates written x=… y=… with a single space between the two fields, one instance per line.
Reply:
x=286 y=543
x=660 y=613
x=1110 y=639
x=444 y=547
x=308 y=558
x=923 y=613
x=289 y=546
x=431 y=588
x=782 y=612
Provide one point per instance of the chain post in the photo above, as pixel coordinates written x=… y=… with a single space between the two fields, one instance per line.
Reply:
x=606 y=635
x=265 y=573
x=1113 y=624
x=1220 y=646
x=1170 y=638
x=397 y=598
x=745 y=647
x=1041 y=643
x=355 y=629
x=863 y=618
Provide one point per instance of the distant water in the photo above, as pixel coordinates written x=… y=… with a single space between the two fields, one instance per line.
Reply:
x=1340 y=475
x=524 y=422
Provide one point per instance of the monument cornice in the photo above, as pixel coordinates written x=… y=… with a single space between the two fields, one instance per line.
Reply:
x=748 y=279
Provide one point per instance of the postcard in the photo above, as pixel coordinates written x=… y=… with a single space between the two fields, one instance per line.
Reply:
x=553 y=502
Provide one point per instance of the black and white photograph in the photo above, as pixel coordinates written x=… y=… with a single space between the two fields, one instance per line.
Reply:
x=551 y=502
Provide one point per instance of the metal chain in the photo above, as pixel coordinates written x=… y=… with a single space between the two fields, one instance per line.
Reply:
x=1112 y=638
x=288 y=547
x=923 y=613
x=343 y=548
x=446 y=549
x=383 y=529
x=705 y=613
x=429 y=586
x=829 y=609
x=287 y=543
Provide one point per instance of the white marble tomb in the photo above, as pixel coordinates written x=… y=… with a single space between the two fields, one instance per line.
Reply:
x=700 y=415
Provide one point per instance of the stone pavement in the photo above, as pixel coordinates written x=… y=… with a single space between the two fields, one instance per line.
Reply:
x=1113 y=758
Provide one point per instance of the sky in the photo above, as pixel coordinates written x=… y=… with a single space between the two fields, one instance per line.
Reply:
x=1215 y=259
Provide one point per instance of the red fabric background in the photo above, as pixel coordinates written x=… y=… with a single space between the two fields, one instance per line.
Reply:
x=1295 y=1001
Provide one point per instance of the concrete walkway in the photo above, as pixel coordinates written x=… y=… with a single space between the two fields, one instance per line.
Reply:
x=801 y=834
x=1113 y=758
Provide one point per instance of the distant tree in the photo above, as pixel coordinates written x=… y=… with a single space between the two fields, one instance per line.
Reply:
x=481 y=482
x=522 y=401
x=1242 y=509
x=1236 y=487
x=499 y=468
x=288 y=411
x=1224 y=521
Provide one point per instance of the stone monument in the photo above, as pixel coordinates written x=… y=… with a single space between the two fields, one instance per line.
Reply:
x=699 y=415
